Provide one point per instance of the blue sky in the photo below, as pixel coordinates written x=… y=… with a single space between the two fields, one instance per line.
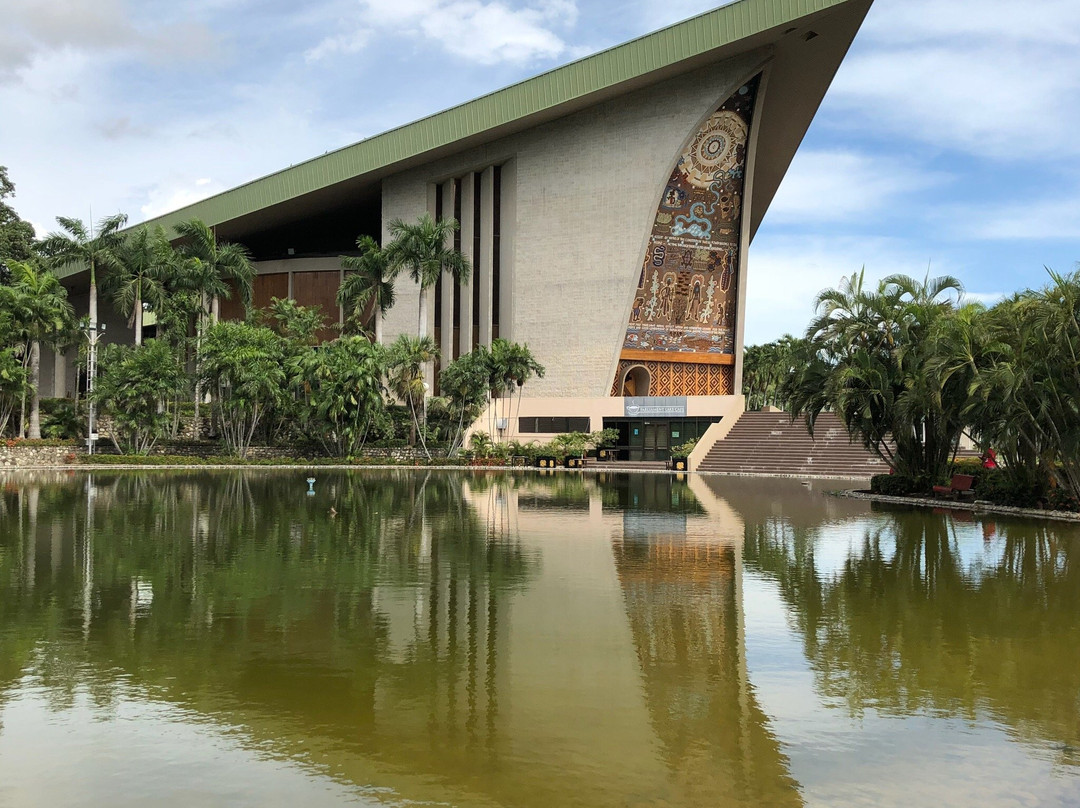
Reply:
x=948 y=140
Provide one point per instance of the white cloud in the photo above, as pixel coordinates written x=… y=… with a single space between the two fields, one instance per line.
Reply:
x=660 y=13
x=986 y=298
x=482 y=32
x=1037 y=21
x=171 y=195
x=832 y=185
x=997 y=80
x=32 y=29
x=351 y=42
x=80 y=147
x=1056 y=217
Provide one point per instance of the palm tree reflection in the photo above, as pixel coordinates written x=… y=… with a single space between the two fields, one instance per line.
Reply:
x=904 y=625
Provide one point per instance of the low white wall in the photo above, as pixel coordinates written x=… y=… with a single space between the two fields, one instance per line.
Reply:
x=596 y=410
x=716 y=432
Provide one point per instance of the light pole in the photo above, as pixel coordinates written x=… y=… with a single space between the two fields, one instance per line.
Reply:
x=93 y=334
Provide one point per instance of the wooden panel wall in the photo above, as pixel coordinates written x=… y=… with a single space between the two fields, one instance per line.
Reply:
x=319 y=289
x=233 y=308
x=270 y=286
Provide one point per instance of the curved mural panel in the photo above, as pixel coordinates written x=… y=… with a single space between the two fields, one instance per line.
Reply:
x=682 y=323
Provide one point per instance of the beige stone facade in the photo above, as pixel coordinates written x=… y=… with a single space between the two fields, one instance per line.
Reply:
x=557 y=182
x=584 y=193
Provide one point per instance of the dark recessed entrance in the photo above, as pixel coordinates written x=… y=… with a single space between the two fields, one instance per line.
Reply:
x=636 y=382
x=652 y=438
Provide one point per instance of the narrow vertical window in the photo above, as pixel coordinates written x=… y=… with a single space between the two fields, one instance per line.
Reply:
x=496 y=228
x=438 y=282
x=437 y=336
x=476 y=260
x=457 y=247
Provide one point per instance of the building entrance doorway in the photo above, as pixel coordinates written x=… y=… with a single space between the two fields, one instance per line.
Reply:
x=636 y=382
x=656 y=444
x=652 y=439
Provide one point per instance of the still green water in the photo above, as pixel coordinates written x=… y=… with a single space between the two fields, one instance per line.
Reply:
x=404 y=638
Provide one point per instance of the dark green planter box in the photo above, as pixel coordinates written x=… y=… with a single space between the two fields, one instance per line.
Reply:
x=574 y=462
x=680 y=464
x=546 y=462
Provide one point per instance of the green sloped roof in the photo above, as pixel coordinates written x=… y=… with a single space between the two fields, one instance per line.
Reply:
x=577 y=80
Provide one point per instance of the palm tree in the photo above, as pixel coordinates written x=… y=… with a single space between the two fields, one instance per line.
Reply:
x=766 y=368
x=511 y=365
x=213 y=265
x=372 y=278
x=465 y=382
x=77 y=245
x=39 y=304
x=409 y=356
x=206 y=267
x=870 y=360
x=144 y=260
x=422 y=249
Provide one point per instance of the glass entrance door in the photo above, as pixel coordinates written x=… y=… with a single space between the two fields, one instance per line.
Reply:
x=656 y=444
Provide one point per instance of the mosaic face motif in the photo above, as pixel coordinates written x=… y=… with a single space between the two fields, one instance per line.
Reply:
x=687 y=291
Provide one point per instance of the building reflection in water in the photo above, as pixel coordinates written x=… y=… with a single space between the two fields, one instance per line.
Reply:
x=680 y=567
x=447 y=641
x=517 y=638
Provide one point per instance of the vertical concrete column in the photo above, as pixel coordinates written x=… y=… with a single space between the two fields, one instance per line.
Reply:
x=429 y=369
x=508 y=226
x=487 y=246
x=59 y=374
x=449 y=290
x=468 y=229
x=47 y=372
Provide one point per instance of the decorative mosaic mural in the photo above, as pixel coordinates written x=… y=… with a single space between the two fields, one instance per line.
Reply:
x=687 y=293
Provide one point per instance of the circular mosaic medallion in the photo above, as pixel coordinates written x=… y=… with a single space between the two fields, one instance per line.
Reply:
x=715 y=149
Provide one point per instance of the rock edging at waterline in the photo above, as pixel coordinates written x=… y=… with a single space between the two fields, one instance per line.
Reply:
x=978 y=506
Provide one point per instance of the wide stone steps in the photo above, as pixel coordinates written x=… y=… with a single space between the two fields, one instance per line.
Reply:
x=769 y=443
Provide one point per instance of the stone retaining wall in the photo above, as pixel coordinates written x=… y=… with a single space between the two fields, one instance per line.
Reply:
x=188 y=431
x=30 y=456
x=21 y=456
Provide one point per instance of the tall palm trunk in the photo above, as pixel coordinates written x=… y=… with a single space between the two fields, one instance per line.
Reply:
x=35 y=398
x=422 y=332
x=138 y=315
x=378 y=325
x=93 y=295
x=198 y=357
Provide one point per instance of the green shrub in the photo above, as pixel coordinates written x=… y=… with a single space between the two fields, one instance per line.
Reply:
x=1002 y=488
x=969 y=465
x=13 y=442
x=1059 y=499
x=684 y=449
x=61 y=419
x=895 y=485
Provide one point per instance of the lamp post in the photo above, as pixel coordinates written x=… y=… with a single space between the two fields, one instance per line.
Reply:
x=94 y=332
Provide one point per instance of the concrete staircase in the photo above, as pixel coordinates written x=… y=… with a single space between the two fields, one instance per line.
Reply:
x=769 y=443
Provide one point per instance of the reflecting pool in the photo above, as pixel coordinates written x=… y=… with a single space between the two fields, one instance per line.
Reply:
x=526 y=639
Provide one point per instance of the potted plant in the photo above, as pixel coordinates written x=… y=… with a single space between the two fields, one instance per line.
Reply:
x=680 y=455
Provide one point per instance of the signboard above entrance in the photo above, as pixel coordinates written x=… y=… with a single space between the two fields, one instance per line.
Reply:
x=655 y=407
